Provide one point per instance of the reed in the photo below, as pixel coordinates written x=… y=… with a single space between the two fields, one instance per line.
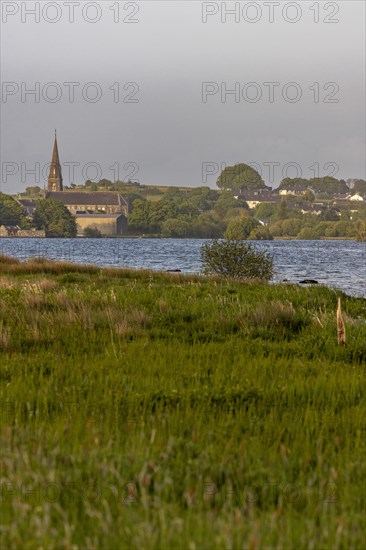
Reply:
x=341 y=329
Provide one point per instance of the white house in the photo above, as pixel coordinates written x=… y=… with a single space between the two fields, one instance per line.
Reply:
x=356 y=197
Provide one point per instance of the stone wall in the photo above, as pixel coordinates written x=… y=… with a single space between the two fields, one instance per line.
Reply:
x=106 y=225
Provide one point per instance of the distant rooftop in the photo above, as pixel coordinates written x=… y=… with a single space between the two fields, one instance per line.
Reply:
x=96 y=198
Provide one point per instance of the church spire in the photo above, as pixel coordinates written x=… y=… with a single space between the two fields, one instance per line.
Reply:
x=55 y=175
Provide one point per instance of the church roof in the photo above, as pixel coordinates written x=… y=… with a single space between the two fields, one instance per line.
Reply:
x=55 y=175
x=27 y=202
x=55 y=157
x=87 y=199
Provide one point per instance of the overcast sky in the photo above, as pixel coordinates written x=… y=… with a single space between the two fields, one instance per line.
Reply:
x=168 y=127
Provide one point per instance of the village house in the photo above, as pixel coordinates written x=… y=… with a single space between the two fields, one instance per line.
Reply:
x=356 y=198
x=296 y=189
x=258 y=196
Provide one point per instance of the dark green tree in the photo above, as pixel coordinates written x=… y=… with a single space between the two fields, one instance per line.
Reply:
x=162 y=210
x=208 y=225
x=328 y=186
x=34 y=191
x=329 y=215
x=54 y=218
x=175 y=228
x=240 y=177
x=359 y=187
x=138 y=219
x=227 y=202
x=203 y=198
x=281 y=212
x=291 y=227
x=307 y=234
x=240 y=229
x=11 y=212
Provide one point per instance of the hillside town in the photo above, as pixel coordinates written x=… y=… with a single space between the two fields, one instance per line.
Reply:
x=242 y=207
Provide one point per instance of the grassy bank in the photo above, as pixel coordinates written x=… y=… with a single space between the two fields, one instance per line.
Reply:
x=146 y=410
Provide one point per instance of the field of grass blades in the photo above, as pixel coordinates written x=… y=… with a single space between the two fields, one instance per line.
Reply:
x=147 y=410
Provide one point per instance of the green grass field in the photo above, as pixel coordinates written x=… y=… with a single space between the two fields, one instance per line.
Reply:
x=160 y=411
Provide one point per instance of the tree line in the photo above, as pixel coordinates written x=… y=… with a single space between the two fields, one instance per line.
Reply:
x=202 y=212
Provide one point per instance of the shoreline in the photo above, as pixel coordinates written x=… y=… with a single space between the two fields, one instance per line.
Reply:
x=80 y=237
x=39 y=264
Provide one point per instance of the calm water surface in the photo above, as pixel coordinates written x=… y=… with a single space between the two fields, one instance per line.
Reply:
x=338 y=264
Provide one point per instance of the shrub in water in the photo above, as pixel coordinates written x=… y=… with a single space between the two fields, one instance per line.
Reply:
x=237 y=259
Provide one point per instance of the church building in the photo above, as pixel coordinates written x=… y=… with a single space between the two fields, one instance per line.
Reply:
x=103 y=210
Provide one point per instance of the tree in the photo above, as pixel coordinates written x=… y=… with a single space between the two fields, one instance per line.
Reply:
x=105 y=183
x=34 y=191
x=54 y=218
x=175 y=228
x=264 y=212
x=236 y=259
x=282 y=211
x=309 y=196
x=161 y=211
x=329 y=215
x=208 y=225
x=359 y=187
x=227 y=202
x=260 y=234
x=240 y=177
x=92 y=186
x=235 y=213
x=328 y=185
x=240 y=229
x=344 y=229
x=325 y=229
x=11 y=212
x=360 y=231
x=291 y=227
x=276 y=229
x=203 y=198
x=138 y=219
x=307 y=234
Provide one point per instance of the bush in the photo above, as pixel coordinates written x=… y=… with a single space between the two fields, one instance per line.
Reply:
x=236 y=259
x=92 y=232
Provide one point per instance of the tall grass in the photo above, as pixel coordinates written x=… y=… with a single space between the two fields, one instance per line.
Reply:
x=149 y=410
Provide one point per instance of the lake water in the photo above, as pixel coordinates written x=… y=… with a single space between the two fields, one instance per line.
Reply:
x=338 y=264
